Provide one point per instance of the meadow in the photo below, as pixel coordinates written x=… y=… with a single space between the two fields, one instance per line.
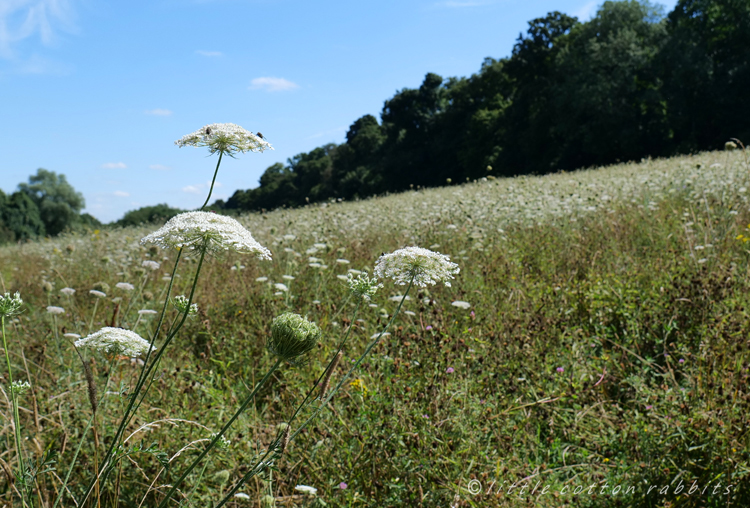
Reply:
x=595 y=342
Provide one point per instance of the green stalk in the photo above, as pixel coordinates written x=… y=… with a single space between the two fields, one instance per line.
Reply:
x=16 y=423
x=61 y=495
x=144 y=373
x=218 y=436
x=212 y=181
x=271 y=448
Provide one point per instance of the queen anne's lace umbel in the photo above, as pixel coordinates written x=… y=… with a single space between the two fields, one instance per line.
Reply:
x=115 y=341
x=228 y=138
x=423 y=265
x=199 y=230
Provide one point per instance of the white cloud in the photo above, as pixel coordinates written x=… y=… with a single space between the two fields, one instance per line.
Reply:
x=159 y=167
x=121 y=194
x=201 y=187
x=270 y=84
x=114 y=165
x=159 y=112
x=21 y=19
x=211 y=54
x=585 y=12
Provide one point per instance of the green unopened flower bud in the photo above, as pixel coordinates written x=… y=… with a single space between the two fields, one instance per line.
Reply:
x=10 y=305
x=148 y=296
x=47 y=286
x=70 y=247
x=730 y=145
x=292 y=336
x=267 y=501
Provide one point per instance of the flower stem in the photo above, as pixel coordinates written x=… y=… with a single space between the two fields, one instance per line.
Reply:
x=214 y=180
x=141 y=378
x=254 y=470
x=218 y=436
x=16 y=423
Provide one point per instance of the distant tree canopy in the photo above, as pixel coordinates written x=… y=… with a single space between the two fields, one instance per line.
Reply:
x=46 y=205
x=148 y=215
x=627 y=84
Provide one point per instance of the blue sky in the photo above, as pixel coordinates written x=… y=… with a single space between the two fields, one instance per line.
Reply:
x=99 y=91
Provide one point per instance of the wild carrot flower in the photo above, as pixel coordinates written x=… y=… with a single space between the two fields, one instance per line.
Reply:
x=115 y=341
x=292 y=336
x=306 y=489
x=198 y=230
x=151 y=265
x=97 y=294
x=55 y=310
x=10 y=305
x=181 y=304
x=228 y=138
x=125 y=285
x=20 y=387
x=68 y=291
x=460 y=304
x=363 y=286
x=422 y=265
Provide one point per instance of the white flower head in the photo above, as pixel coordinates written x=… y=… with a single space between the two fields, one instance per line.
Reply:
x=10 y=305
x=98 y=294
x=422 y=265
x=228 y=138
x=460 y=304
x=55 y=310
x=214 y=232
x=125 y=285
x=150 y=264
x=115 y=341
x=68 y=291
x=306 y=489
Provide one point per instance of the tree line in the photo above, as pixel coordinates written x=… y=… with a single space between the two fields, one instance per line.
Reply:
x=628 y=84
x=46 y=205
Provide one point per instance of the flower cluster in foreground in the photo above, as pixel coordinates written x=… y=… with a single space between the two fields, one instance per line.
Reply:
x=115 y=341
x=228 y=138
x=422 y=265
x=198 y=230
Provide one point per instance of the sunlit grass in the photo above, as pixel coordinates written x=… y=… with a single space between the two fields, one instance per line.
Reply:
x=600 y=335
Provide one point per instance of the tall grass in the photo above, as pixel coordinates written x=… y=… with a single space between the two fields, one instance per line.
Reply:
x=604 y=343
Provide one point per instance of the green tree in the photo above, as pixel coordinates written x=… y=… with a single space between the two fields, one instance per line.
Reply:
x=144 y=215
x=608 y=102
x=529 y=143
x=57 y=200
x=706 y=72
x=21 y=216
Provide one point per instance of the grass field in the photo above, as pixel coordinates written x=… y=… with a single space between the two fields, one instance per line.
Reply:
x=594 y=346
